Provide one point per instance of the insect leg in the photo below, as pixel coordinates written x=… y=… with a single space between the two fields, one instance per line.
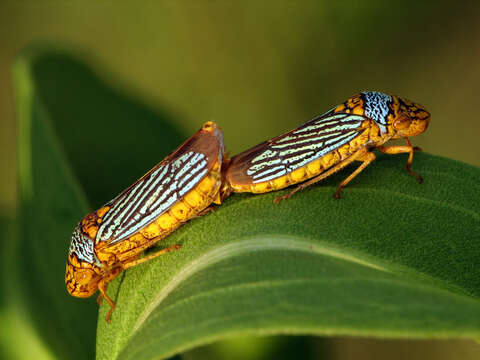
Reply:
x=102 y=287
x=356 y=156
x=401 y=150
x=367 y=159
x=135 y=262
x=205 y=211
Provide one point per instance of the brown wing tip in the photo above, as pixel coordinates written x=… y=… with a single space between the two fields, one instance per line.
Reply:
x=213 y=129
x=210 y=126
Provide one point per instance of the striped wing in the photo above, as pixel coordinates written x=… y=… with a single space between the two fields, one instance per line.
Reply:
x=161 y=187
x=288 y=152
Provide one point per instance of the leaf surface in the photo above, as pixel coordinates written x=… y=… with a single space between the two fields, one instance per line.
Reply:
x=392 y=258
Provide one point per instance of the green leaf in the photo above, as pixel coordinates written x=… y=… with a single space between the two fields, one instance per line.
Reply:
x=70 y=119
x=109 y=138
x=391 y=258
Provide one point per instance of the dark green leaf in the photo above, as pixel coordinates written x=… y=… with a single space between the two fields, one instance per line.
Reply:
x=109 y=138
x=391 y=258
x=68 y=115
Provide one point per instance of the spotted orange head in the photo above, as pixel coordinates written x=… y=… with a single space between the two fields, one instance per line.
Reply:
x=83 y=270
x=409 y=118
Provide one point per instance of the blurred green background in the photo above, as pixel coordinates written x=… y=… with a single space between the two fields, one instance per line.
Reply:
x=259 y=68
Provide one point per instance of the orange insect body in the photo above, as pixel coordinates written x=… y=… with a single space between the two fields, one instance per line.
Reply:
x=327 y=144
x=197 y=174
x=110 y=240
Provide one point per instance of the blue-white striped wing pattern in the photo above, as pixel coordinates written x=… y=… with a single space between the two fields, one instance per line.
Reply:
x=288 y=152
x=163 y=186
x=151 y=196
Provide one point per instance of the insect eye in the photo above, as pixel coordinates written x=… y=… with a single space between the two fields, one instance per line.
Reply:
x=83 y=276
x=402 y=122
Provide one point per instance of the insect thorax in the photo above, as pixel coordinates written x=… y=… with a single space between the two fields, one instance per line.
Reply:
x=82 y=247
x=377 y=107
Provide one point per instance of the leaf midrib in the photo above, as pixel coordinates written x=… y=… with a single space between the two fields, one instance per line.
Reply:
x=273 y=242
x=242 y=246
x=269 y=284
x=216 y=293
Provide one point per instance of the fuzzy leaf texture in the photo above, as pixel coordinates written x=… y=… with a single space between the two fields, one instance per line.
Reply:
x=392 y=258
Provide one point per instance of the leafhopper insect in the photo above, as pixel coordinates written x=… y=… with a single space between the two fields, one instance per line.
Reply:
x=111 y=239
x=328 y=143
